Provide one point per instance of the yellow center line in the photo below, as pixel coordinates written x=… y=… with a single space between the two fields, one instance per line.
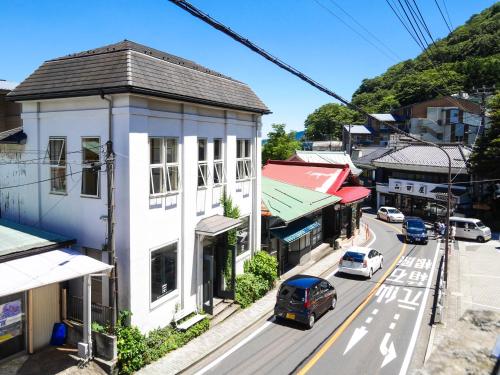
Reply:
x=304 y=370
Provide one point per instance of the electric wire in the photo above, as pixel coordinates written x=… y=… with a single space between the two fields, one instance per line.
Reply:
x=447 y=14
x=442 y=15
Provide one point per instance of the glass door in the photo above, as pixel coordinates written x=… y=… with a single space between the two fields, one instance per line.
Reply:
x=208 y=281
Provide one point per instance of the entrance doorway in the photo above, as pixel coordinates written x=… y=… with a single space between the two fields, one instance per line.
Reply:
x=219 y=270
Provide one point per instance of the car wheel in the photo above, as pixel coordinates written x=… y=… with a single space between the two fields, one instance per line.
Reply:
x=334 y=303
x=312 y=320
x=378 y=216
x=381 y=263
x=480 y=239
x=370 y=274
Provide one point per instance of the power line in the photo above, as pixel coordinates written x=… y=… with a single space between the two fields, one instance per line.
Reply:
x=421 y=44
x=39 y=181
x=402 y=22
x=416 y=20
x=447 y=14
x=424 y=24
x=442 y=15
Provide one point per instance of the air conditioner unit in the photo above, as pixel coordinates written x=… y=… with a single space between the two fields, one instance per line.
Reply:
x=83 y=350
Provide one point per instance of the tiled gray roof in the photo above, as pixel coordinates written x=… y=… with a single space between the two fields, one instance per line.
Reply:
x=371 y=155
x=426 y=156
x=131 y=67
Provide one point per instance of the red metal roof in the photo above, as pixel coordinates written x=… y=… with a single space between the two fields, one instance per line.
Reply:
x=326 y=178
x=350 y=194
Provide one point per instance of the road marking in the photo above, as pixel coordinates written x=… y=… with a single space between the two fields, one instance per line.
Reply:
x=416 y=328
x=368 y=320
x=389 y=353
x=396 y=316
x=358 y=334
x=235 y=348
x=354 y=315
x=487 y=306
x=375 y=311
x=392 y=325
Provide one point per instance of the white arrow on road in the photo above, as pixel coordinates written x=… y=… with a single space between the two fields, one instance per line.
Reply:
x=358 y=334
x=389 y=353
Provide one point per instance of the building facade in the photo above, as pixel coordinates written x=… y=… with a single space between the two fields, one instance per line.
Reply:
x=181 y=134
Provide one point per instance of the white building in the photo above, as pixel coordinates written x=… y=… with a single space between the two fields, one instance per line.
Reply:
x=181 y=134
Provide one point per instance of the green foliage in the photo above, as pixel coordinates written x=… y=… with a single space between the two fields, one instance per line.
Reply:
x=96 y=327
x=264 y=265
x=280 y=145
x=232 y=211
x=136 y=350
x=327 y=121
x=467 y=57
x=249 y=288
x=485 y=158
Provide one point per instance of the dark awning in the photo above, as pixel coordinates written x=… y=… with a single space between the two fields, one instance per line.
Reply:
x=454 y=190
x=295 y=230
x=217 y=224
x=14 y=136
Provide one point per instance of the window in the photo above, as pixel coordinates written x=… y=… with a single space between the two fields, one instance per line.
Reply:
x=202 y=163
x=242 y=236
x=218 y=162
x=243 y=159
x=317 y=233
x=163 y=271
x=57 y=161
x=164 y=165
x=91 y=155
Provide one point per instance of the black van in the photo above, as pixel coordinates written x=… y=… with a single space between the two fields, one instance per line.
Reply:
x=414 y=230
x=304 y=299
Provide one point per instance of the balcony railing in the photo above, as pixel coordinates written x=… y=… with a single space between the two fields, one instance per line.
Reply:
x=100 y=313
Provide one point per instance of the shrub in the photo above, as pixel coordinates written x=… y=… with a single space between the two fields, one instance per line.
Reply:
x=132 y=347
x=264 y=265
x=249 y=288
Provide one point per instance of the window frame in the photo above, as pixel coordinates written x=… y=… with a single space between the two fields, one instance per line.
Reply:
x=172 y=164
x=174 y=293
x=202 y=165
x=249 y=238
x=219 y=175
x=164 y=166
x=160 y=166
x=58 y=165
x=88 y=166
x=244 y=167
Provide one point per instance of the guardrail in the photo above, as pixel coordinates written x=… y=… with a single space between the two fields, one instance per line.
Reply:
x=439 y=295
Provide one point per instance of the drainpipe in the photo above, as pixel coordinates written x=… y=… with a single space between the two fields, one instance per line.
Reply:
x=39 y=164
x=110 y=173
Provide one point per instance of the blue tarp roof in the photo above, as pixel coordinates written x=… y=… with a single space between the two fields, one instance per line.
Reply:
x=295 y=229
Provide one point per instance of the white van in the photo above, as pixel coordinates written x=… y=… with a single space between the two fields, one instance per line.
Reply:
x=472 y=229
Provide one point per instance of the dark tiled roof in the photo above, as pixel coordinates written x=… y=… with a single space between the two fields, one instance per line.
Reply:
x=374 y=154
x=132 y=67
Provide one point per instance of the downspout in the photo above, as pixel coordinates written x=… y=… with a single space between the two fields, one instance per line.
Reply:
x=39 y=164
x=183 y=218
x=110 y=172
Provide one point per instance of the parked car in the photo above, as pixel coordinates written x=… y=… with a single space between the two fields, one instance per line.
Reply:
x=390 y=214
x=435 y=209
x=304 y=299
x=414 y=230
x=472 y=229
x=362 y=261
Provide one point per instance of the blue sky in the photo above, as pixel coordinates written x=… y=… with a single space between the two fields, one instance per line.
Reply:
x=301 y=32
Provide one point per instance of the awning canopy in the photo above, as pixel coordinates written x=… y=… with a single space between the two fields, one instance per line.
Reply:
x=215 y=225
x=350 y=194
x=454 y=190
x=295 y=230
x=46 y=268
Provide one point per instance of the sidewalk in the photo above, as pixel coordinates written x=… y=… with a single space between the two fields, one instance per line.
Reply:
x=463 y=342
x=217 y=336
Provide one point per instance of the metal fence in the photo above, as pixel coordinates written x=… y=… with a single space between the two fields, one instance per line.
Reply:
x=100 y=313
x=440 y=294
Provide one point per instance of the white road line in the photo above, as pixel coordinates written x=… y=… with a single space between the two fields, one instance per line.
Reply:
x=234 y=348
x=487 y=306
x=416 y=328
x=375 y=311
x=368 y=320
x=396 y=316
x=392 y=325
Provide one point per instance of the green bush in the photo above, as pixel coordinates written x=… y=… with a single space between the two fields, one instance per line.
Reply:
x=131 y=345
x=249 y=288
x=264 y=265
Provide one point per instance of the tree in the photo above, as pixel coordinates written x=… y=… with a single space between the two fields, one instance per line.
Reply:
x=280 y=145
x=326 y=122
x=485 y=157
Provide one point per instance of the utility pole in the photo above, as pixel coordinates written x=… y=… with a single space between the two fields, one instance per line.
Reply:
x=483 y=92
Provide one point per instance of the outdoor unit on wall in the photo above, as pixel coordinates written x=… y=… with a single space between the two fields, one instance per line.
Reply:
x=83 y=350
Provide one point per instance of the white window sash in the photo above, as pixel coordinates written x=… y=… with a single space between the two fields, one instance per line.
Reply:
x=162 y=174
x=221 y=175
x=169 y=182
x=203 y=174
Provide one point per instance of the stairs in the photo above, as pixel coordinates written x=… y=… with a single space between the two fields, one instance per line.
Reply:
x=223 y=309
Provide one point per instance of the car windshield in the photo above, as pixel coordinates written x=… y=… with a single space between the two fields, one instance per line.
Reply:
x=393 y=211
x=416 y=225
x=295 y=294
x=480 y=224
x=353 y=256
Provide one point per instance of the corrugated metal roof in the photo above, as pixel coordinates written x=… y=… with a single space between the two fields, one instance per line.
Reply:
x=350 y=194
x=290 y=202
x=324 y=179
x=426 y=156
x=357 y=129
x=216 y=224
x=15 y=238
x=132 y=67
x=332 y=157
x=295 y=230
x=383 y=116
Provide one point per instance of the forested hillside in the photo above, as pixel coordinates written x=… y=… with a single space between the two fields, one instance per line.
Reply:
x=467 y=57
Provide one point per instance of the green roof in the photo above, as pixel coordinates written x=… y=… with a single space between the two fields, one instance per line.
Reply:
x=290 y=202
x=16 y=237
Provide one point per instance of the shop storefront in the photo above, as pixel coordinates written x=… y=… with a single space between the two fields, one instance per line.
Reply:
x=12 y=324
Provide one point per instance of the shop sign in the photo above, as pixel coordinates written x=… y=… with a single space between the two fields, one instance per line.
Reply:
x=10 y=320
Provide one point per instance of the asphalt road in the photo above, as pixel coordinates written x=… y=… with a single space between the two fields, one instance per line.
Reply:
x=370 y=331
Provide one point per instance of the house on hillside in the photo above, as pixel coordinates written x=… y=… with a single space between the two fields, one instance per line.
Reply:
x=181 y=134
